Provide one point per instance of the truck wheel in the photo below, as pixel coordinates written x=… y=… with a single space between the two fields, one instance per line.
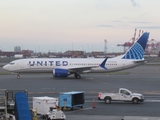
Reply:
x=135 y=101
x=107 y=100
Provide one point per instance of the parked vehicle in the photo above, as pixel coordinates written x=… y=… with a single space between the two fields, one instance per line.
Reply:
x=122 y=95
x=42 y=104
x=71 y=100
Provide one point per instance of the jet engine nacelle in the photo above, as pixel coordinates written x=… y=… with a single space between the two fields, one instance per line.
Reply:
x=60 y=72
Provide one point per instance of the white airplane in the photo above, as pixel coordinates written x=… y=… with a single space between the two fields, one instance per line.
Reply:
x=63 y=67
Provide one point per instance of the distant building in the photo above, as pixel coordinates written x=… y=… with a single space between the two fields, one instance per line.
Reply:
x=97 y=54
x=26 y=53
x=18 y=56
x=17 y=49
x=6 y=54
x=74 y=54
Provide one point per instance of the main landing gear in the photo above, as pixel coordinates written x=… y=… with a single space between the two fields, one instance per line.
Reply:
x=18 y=76
x=76 y=75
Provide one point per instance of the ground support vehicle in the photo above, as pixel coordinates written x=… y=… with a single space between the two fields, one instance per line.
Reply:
x=71 y=100
x=10 y=98
x=122 y=95
x=7 y=104
x=55 y=114
x=4 y=116
x=2 y=112
x=47 y=107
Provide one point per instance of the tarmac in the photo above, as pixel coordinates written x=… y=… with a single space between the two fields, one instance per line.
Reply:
x=101 y=117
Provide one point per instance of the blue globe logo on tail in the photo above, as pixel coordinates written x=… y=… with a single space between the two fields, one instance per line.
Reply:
x=138 y=49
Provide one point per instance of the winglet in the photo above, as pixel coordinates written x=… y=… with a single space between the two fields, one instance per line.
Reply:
x=137 y=50
x=103 y=63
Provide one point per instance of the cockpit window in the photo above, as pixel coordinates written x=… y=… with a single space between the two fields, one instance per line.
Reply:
x=11 y=63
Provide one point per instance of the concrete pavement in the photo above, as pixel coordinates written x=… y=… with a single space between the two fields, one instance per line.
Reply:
x=102 y=117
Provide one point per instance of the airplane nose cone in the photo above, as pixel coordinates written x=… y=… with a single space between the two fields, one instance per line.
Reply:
x=5 y=67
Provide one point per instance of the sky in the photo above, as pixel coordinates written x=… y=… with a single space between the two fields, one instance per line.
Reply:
x=60 y=25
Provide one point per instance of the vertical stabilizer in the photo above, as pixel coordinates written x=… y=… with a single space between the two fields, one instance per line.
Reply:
x=137 y=50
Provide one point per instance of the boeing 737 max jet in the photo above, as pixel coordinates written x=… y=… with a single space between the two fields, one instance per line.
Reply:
x=63 y=67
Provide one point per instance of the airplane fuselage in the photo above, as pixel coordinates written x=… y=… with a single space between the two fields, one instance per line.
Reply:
x=46 y=65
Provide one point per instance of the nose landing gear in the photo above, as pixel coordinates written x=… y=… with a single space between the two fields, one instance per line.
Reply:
x=18 y=76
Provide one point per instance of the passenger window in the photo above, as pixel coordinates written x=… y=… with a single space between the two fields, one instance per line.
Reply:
x=127 y=93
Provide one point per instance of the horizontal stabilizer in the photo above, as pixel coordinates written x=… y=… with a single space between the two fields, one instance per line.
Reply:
x=103 y=63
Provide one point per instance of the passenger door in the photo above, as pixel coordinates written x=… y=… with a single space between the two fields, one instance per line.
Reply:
x=125 y=95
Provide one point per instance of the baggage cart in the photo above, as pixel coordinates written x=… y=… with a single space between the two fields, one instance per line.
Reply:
x=71 y=99
x=42 y=104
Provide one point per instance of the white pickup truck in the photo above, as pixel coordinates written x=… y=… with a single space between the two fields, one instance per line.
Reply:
x=123 y=95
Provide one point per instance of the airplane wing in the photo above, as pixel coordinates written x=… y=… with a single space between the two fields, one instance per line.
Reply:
x=81 y=69
x=88 y=68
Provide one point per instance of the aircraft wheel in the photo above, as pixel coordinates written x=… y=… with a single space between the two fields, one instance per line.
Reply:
x=78 y=76
x=18 y=76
